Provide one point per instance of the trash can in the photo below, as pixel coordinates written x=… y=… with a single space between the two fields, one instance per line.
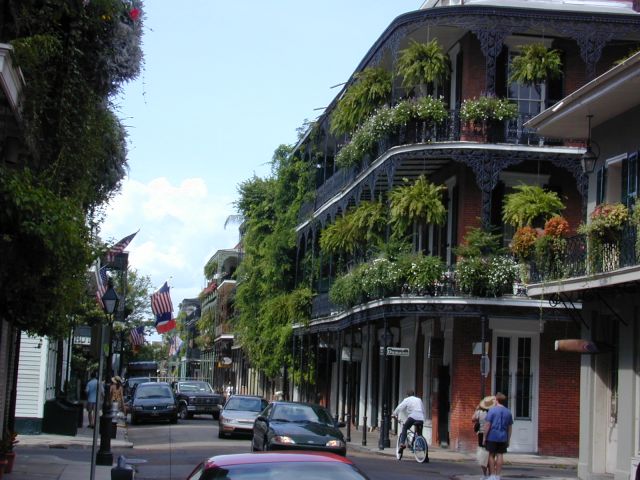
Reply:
x=60 y=418
x=78 y=406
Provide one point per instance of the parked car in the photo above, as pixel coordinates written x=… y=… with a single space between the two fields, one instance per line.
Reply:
x=280 y=465
x=154 y=401
x=297 y=426
x=239 y=413
x=196 y=397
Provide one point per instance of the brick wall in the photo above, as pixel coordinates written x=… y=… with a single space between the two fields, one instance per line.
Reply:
x=473 y=68
x=470 y=203
x=559 y=411
x=466 y=384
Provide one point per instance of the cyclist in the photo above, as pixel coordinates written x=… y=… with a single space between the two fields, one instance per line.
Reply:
x=414 y=410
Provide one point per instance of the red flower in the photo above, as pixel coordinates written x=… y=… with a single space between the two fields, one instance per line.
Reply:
x=134 y=14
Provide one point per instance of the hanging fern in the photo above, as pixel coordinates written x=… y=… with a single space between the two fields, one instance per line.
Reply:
x=371 y=89
x=423 y=63
x=528 y=203
x=419 y=202
x=535 y=64
x=361 y=226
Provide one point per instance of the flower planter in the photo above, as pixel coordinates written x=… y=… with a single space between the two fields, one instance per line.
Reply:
x=3 y=466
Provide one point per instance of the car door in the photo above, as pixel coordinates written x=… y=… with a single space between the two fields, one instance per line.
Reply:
x=260 y=428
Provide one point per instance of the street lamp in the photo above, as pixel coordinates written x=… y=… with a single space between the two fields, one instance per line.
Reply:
x=589 y=158
x=104 y=456
x=387 y=338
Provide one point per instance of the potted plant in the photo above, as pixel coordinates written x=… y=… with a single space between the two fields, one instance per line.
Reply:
x=551 y=248
x=371 y=89
x=603 y=235
x=422 y=64
x=9 y=440
x=530 y=204
x=535 y=64
x=483 y=117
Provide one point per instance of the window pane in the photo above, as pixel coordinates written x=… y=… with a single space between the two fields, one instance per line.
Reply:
x=523 y=380
x=502 y=365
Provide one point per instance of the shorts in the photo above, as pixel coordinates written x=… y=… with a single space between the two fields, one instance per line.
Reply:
x=497 y=447
x=91 y=406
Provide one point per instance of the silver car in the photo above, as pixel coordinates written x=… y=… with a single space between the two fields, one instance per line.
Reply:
x=238 y=414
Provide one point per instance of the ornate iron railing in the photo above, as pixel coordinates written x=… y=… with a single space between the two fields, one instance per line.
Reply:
x=416 y=132
x=583 y=256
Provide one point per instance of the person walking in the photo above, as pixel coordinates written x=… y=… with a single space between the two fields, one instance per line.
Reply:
x=116 y=393
x=91 y=389
x=414 y=410
x=497 y=434
x=479 y=420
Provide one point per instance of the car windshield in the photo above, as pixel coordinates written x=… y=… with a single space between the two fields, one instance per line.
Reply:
x=187 y=387
x=302 y=413
x=286 y=471
x=246 y=404
x=153 y=391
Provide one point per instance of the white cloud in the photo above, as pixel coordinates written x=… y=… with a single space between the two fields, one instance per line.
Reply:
x=181 y=226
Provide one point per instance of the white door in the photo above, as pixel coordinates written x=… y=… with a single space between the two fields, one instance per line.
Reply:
x=515 y=367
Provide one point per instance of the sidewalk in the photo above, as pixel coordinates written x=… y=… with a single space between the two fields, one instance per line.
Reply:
x=52 y=466
x=437 y=453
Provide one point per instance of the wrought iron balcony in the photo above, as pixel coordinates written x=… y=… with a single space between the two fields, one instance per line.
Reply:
x=583 y=257
x=423 y=132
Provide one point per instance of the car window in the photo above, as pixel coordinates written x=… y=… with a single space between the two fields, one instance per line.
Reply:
x=195 y=387
x=245 y=404
x=302 y=413
x=153 y=391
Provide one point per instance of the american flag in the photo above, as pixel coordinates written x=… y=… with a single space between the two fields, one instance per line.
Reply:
x=102 y=281
x=137 y=336
x=119 y=247
x=161 y=301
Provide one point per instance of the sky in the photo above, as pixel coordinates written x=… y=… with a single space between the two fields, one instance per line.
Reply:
x=223 y=84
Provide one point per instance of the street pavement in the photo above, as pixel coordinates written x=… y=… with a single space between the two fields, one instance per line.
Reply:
x=30 y=466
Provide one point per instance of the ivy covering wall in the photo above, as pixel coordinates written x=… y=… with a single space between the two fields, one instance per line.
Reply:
x=74 y=57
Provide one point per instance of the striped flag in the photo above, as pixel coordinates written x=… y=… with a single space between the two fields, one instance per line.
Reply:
x=119 y=247
x=102 y=280
x=162 y=308
x=137 y=336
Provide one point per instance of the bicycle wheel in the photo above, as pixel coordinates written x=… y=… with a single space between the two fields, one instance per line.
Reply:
x=420 y=449
x=399 y=450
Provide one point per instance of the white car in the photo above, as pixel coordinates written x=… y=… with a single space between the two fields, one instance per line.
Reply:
x=239 y=413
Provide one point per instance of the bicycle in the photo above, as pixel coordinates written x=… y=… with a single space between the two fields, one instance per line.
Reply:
x=416 y=443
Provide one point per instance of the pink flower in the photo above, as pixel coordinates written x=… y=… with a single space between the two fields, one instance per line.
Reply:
x=134 y=14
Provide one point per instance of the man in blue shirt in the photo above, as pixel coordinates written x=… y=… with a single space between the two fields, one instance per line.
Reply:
x=497 y=434
x=92 y=393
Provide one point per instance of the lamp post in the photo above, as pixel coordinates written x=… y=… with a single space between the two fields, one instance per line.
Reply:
x=589 y=158
x=387 y=338
x=104 y=456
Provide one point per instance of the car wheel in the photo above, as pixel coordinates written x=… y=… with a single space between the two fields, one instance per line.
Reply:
x=265 y=445
x=182 y=411
x=216 y=415
x=134 y=419
x=221 y=435
x=174 y=419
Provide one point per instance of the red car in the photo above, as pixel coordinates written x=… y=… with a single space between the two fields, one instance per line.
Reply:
x=278 y=465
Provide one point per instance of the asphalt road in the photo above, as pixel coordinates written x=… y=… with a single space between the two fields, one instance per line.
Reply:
x=172 y=451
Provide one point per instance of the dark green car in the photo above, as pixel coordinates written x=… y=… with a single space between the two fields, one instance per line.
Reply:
x=297 y=426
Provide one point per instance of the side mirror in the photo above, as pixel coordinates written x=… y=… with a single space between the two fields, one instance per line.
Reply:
x=341 y=424
x=262 y=418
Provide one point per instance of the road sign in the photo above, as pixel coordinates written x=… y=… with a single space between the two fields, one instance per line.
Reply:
x=397 y=352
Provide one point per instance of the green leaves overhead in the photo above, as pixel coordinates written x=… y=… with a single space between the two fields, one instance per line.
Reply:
x=529 y=203
x=371 y=89
x=423 y=63
x=535 y=64
x=417 y=202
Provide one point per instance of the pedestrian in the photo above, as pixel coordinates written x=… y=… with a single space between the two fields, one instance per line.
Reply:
x=91 y=389
x=479 y=420
x=497 y=434
x=228 y=391
x=414 y=410
x=116 y=393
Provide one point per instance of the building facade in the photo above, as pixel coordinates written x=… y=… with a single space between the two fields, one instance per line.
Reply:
x=437 y=334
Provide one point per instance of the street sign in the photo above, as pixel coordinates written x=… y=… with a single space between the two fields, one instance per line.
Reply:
x=226 y=361
x=397 y=352
x=485 y=366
